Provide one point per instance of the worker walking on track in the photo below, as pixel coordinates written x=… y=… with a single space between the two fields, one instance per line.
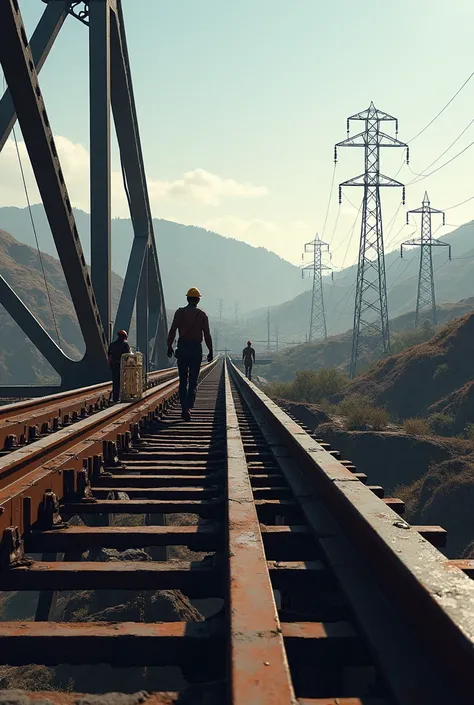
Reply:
x=116 y=349
x=192 y=324
x=248 y=356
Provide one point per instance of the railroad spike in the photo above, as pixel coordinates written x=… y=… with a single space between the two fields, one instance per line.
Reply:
x=69 y=483
x=49 y=516
x=12 y=552
x=10 y=442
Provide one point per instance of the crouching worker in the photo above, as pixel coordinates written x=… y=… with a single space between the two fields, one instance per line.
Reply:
x=116 y=349
x=192 y=324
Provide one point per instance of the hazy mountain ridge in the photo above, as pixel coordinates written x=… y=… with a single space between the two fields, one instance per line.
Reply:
x=223 y=268
x=454 y=281
x=336 y=350
x=20 y=362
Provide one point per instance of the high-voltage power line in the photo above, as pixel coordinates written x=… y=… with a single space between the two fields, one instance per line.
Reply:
x=317 y=322
x=370 y=311
x=425 y=300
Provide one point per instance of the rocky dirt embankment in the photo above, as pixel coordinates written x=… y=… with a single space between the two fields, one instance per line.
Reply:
x=433 y=475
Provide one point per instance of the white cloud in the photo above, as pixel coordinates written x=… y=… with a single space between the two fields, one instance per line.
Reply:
x=201 y=185
x=197 y=185
x=254 y=231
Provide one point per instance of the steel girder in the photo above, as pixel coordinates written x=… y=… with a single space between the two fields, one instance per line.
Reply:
x=110 y=84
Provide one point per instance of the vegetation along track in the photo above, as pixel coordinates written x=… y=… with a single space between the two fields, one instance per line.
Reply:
x=315 y=590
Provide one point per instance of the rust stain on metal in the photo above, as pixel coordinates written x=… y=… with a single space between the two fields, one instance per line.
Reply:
x=259 y=672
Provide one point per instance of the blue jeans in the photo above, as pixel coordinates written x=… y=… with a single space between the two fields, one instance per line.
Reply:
x=189 y=364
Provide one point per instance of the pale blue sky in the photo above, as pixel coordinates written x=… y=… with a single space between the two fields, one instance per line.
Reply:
x=257 y=92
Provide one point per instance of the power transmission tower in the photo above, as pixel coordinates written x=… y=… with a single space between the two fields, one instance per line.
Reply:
x=317 y=322
x=216 y=339
x=370 y=311
x=268 y=330
x=221 y=308
x=425 y=300
x=236 y=313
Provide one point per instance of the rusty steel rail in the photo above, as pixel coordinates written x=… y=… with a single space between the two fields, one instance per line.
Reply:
x=27 y=421
x=65 y=461
x=320 y=593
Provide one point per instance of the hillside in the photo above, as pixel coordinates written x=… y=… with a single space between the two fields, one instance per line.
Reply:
x=436 y=376
x=454 y=281
x=189 y=256
x=20 y=362
x=336 y=350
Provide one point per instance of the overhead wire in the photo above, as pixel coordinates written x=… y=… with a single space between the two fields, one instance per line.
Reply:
x=450 y=208
x=329 y=200
x=425 y=176
x=445 y=151
x=419 y=177
x=33 y=225
x=442 y=109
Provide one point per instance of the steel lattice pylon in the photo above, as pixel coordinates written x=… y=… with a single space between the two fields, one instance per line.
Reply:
x=371 y=312
x=317 y=323
x=425 y=300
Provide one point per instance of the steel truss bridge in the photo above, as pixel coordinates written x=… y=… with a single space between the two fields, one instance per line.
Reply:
x=303 y=584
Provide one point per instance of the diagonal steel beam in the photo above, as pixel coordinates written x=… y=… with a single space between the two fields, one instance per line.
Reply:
x=99 y=116
x=41 y=43
x=130 y=284
x=32 y=328
x=126 y=126
x=19 y=69
x=143 y=313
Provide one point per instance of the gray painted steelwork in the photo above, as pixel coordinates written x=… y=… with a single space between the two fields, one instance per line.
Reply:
x=110 y=85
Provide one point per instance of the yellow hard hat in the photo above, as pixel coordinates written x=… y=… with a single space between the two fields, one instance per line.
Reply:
x=193 y=293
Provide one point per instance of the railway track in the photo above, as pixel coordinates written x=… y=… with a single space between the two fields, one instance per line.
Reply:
x=311 y=587
x=29 y=420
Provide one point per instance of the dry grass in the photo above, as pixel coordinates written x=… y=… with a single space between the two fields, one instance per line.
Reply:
x=417 y=427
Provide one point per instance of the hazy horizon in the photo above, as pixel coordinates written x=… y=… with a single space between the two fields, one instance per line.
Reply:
x=240 y=107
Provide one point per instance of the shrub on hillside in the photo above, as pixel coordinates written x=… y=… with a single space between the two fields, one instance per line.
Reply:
x=279 y=390
x=417 y=427
x=361 y=414
x=409 y=338
x=350 y=404
x=441 y=424
x=367 y=417
x=469 y=431
x=309 y=385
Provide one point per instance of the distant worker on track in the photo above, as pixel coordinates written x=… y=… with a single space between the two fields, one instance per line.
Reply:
x=192 y=324
x=116 y=349
x=248 y=356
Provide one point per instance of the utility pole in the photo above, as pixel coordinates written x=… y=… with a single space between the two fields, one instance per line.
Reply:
x=220 y=308
x=371 y=311
x=276 y=337
x=268 y=330
x=317 y=321
x=425 y=300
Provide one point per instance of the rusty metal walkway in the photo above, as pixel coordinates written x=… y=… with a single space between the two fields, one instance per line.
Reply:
x=304 y=585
